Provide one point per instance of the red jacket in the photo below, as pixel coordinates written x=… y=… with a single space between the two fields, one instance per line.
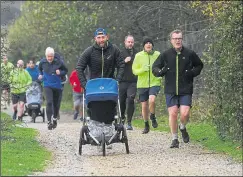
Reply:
x=74 y=79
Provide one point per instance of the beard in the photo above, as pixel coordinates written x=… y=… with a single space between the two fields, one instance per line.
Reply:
x=102 y=44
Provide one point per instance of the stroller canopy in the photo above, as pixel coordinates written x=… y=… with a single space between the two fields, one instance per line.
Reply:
x=101 y=89
x=33 y=93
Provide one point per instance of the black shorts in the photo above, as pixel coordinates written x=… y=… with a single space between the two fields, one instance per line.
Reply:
x=5 y=87
x=172 y=100
x=144 y=93
x=18 y=97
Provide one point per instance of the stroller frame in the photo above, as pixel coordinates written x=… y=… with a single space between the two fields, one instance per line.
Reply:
x=119 y=137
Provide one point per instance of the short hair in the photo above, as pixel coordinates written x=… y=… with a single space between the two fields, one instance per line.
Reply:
x=20 y=61
x=129 y=36
x=177 y=31
x=50 y=50
x=32 y=61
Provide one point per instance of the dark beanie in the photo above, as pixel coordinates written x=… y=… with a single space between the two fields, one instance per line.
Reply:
x=147 y=39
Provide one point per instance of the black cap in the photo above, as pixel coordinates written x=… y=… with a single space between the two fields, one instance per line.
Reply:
x=147 y=39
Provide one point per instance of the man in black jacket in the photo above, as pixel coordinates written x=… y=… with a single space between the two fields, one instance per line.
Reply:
x=127 y=86
x=179 y=65
x=102 y=59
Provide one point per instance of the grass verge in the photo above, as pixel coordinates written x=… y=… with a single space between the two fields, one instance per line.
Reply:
x=204 y=134
x=21 y=153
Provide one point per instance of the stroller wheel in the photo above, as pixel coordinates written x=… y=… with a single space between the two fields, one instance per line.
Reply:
x=43 y=114
x=124 y=139
x=103 y=143
x=33 y=115
x=82 y=139
x=80 y=145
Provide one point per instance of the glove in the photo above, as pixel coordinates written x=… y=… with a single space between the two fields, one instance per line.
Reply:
x=157 y=72
x=160 y=72
x=189 y=74
x=164 y=70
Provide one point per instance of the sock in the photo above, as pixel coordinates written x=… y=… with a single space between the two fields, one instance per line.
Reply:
x=182 y=126
x=152 y=116
x=174 y=136
x=146 y=123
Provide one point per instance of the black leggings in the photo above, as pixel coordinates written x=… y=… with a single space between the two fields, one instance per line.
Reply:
x=52 y=101
x=60 y=97
x=127 y=93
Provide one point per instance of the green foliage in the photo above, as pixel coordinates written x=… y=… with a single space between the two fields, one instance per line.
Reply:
x=62 y=25
x=222 y=97
x=21 y=153
x=68 y=26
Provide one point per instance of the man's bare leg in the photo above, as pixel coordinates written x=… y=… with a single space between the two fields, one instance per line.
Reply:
x=173 y=114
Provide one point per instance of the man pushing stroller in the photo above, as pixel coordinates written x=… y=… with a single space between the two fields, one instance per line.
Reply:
x=102 y=58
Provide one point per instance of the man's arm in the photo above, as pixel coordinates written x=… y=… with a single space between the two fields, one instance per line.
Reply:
x=40 y=68
x=63 y=69
x=159 y=68
x=82 y=64
x=29 y=78
x=137 y=67
x=197 y=65
x=120 y=63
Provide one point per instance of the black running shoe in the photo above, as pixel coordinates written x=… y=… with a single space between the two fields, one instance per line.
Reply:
x=49 y=125
x=75 y=116
x=54 y=125
x=185 y=135
x=129 y=126
x=146 y=128
x=174 y=144
x=154 y=121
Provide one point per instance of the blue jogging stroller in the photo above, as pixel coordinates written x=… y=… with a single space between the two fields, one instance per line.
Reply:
x=103 y=127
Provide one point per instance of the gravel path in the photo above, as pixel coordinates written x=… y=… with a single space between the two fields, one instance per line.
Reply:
x=150 y=155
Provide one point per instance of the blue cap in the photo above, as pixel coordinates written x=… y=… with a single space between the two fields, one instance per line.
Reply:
x=100 y=31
